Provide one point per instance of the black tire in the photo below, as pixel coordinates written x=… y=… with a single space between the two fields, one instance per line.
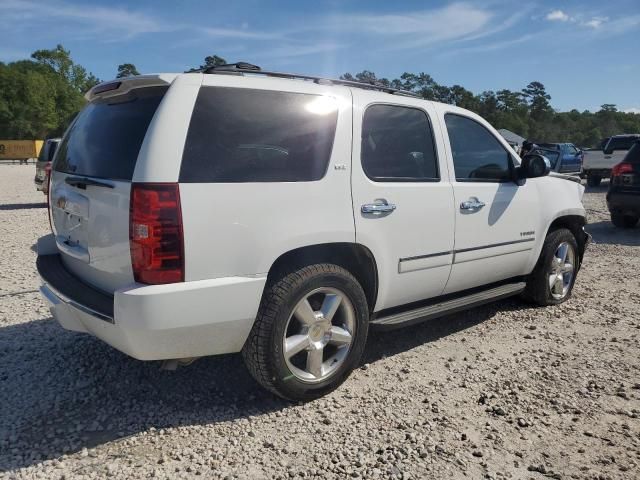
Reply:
x=263 y=351
x=538 y=289
x=594 y=180
x=624 y=221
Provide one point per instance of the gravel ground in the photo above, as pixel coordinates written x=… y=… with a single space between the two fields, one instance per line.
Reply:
x=503 y=391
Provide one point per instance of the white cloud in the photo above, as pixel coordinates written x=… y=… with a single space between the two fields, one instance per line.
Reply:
x=632 y=110
x=111 y=23
x=428 y=27
x=595 y=22
x=557 y=16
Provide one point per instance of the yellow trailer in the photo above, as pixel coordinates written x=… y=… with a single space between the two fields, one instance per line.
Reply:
x=21 y=150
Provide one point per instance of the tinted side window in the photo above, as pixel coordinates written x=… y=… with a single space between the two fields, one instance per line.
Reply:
x=621 y=143
x=478 y=156
x=397 y=144
x=53 y=146
x=243 y=135
x=105 y=138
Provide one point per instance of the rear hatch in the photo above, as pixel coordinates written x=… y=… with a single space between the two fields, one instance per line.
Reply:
x=627 y=179
x=91 y=183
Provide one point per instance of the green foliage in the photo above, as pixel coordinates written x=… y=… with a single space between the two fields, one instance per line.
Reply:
x=39 y=97
x=209 y=61
x=527 y=112
x=127 y=70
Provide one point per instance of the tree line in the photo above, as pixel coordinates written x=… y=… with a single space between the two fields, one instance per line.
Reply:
x=41 y=95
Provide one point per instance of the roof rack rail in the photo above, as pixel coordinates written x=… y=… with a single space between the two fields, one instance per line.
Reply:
x=244 y=67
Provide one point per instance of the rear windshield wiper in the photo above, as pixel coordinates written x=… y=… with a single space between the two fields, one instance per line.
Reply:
x=82 y=182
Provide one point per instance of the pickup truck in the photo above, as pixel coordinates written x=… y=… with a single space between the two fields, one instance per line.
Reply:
x=597 y=163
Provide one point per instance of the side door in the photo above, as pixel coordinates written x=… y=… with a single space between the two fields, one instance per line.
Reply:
x=402 y=199
x=496 y=218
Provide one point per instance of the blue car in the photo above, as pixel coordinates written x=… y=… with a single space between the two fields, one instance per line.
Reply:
x=564 y=157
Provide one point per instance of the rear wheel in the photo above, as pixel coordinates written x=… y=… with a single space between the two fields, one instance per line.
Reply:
x=594 y=180
x=552 y=280
x=309 y=334
x=624 y=221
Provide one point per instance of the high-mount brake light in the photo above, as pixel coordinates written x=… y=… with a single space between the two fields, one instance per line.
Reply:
x=106 y=87
x=155 y=233
x=621 y=168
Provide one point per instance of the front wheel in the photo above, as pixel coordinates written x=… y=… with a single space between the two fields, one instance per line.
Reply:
x=309 y=334
x=552 y=280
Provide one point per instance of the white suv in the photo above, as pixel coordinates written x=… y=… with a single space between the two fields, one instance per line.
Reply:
x=283 y=216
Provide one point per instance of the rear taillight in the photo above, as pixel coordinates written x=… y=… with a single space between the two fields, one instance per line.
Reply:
x=155 y=233
x=621 y=168
x=47 y=182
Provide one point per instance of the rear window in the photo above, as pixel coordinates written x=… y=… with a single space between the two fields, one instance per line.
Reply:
x=634 y=154
x=105 y=138
x=621 y=143
x=246 y=135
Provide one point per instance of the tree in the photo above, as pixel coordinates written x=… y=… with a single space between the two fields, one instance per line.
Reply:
x=538 y=99
x=39 y=97
x=59 y=60
x=209 y=61
x=127 y=70
x=609 y=107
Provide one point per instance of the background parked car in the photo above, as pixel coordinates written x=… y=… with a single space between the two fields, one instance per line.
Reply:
x=598 y=163
x=43 y=165
x=568 y=158
x=623 y=197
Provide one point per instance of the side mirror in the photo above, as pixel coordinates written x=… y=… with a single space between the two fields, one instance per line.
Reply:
x=608 y=151
x=534 y=165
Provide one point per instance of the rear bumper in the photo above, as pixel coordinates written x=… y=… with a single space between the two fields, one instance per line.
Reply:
x=156 y=322
x=625 y=203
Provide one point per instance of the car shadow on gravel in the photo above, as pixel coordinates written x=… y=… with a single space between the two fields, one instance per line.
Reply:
x=22 y=206
x=385 y=344
x=604 y=232
x=62 y=392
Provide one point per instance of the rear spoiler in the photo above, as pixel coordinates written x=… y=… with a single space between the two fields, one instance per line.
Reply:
x=123 y=85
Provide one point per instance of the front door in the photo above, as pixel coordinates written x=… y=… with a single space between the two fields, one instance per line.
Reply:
x=495 y=217
x=402 y=199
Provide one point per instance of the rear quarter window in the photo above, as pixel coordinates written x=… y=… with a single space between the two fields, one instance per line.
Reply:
x=246 y=135
x=105 y=138
x=634 y=154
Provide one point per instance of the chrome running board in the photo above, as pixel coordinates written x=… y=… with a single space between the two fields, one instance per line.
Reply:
x=446 y=307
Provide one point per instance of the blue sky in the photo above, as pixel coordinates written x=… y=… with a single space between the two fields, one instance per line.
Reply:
x=585 y=52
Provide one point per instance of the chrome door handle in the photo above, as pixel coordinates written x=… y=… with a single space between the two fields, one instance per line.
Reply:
x=472 y=204
x=378 y=208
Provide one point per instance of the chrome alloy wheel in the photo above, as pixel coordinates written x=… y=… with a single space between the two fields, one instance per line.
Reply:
x=319 y=334
x=562 y=270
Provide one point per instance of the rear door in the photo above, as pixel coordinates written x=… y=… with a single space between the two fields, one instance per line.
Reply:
x=91 y=183
x=402 y=199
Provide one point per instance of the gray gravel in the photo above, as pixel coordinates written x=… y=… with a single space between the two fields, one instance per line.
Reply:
x=503 y=391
